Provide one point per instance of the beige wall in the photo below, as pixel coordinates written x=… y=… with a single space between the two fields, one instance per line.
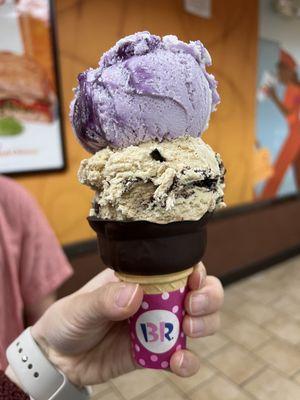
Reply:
x=87 y=28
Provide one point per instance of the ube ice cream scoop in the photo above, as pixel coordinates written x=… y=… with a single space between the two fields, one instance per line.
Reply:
x=145 y=88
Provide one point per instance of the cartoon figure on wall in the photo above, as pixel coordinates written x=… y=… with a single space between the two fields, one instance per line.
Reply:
x=276 y=170
x=289 y=107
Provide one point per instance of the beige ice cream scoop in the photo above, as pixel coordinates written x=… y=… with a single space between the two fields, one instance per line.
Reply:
x=156 y=182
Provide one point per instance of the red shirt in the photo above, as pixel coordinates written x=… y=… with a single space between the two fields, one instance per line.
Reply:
x=32 y=263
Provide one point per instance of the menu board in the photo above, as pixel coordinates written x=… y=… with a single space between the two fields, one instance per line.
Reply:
x=31 y=137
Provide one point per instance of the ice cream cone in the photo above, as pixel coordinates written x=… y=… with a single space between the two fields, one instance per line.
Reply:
x=155 y=284
x=155 y=329
x=159 y=257
x=156 y=182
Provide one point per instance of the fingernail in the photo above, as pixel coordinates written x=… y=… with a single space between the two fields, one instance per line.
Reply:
x=125 y=295
x=199 y=279
x=183 y=362
x=198 y=303
x=197 y=326
x=202 y=272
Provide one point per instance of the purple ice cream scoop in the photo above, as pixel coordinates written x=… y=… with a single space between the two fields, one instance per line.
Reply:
x=145 y=88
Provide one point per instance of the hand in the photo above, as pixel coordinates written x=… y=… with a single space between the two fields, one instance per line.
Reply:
x=270 y=92
x=86 y=334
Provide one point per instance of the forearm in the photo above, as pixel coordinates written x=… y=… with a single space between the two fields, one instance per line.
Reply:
x=52 y=382
x=284 y=110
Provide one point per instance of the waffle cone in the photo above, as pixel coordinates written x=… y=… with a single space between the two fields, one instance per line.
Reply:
x=155 y=284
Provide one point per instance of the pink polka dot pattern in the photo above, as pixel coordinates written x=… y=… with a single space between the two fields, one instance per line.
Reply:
x=165 y=296
x=175 y=309
x=137 y=347
x=169 y=301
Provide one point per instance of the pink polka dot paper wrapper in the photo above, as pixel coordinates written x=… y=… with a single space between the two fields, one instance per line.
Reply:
x=156 y=329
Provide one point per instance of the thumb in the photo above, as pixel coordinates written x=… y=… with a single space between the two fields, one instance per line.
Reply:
x=77 y=323
x=114 y=301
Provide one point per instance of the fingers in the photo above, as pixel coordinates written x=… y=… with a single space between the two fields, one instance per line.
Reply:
x=184 y=363
x=113 y=302
x=197 y=278
x=196 y=327
x=206 y=300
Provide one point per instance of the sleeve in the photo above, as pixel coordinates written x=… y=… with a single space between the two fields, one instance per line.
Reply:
x=292 y=98
x=43 y=265
x=9 y=391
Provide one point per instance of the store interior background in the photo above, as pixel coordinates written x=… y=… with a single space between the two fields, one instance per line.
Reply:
x=256 y=353
x=242 y=239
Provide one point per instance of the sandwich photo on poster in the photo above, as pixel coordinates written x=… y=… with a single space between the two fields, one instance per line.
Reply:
x=30 y=121
x=277 y=155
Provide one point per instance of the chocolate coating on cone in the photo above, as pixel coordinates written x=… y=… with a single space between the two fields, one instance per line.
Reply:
x=146 y=248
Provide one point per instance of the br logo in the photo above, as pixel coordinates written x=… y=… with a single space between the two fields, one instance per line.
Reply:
x=157 y=330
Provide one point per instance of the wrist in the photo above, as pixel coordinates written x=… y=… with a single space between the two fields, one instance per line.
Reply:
x=40 y=339
x=36 y=373
x=60 y=361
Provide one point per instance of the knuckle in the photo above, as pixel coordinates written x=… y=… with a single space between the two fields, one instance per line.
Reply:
x=108 y=295
x=217 y=292
x=211 y=324
x=106 y=298
x=220 y=297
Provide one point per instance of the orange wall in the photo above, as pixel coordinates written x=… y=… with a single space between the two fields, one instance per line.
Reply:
x=87 y=28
